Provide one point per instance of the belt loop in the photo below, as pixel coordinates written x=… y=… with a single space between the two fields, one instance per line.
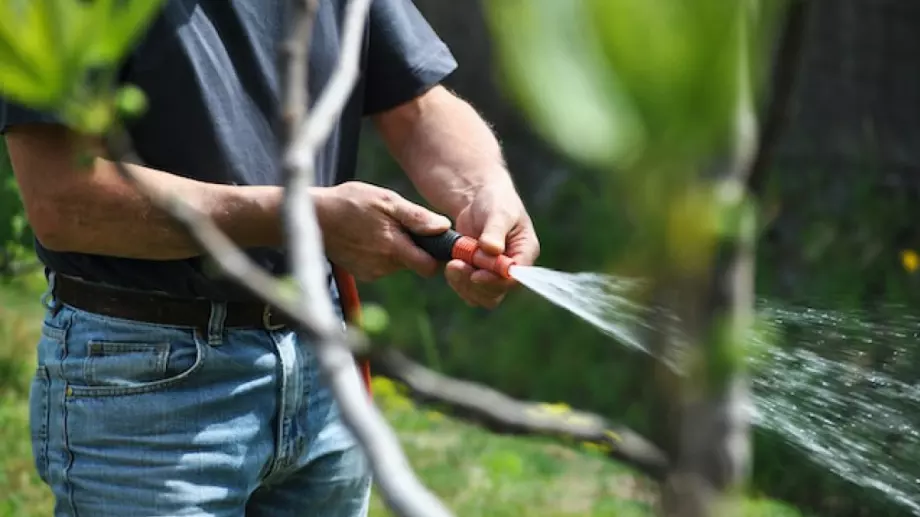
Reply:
x=48 y=300
x=216 y=323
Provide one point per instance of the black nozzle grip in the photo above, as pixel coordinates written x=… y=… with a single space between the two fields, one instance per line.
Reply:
x=440 y=246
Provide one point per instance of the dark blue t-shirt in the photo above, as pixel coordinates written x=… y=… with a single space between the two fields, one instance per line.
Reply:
x=209 y=69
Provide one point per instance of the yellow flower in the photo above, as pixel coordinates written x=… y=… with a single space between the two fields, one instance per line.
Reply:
x=910 y=260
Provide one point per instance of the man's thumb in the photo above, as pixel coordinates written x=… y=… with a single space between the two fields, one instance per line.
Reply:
x=494 y=233
x=418 y=219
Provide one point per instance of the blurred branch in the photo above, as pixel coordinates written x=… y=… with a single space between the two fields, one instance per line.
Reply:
x=500 y=413
x=782 y=86
x=711 y=401
x=403 y=492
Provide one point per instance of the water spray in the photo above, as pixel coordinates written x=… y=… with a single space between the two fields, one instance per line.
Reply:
x=806 y=398
x=454 y=245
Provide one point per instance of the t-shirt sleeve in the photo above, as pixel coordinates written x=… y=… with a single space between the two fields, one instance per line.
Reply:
x=405 y=57
x=12 y=114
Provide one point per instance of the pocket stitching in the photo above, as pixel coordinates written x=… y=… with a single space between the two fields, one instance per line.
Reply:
x=110 y=391
x=102 y=348
x=53 y=333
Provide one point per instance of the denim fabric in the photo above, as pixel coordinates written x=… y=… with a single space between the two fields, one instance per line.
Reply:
x=132 y=419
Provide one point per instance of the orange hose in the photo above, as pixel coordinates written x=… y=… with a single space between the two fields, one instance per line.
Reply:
x=467 y=249
x=351 y=307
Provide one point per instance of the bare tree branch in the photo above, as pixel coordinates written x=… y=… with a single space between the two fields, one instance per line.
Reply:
x=399 y=485
x=315 y=130
x=295 y=55
x=503 y=414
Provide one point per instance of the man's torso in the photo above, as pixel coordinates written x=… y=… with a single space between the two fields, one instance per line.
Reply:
x=209 y=70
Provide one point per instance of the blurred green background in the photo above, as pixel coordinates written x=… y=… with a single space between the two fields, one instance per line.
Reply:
x=840 y=201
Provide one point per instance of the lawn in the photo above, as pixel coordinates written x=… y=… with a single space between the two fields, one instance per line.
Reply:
x=475 y=472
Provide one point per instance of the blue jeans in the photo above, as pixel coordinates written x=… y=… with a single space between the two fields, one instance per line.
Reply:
x=133 y=419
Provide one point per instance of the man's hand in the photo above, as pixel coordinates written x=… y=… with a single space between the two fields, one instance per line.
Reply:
x=456 y=163
x=497 y=217
x=364 y=230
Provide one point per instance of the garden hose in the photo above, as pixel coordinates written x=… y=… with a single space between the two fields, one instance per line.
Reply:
x=453 y=245
x=351 y=308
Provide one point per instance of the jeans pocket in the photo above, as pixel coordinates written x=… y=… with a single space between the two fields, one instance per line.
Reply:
x=112 y=368
x=39 y=419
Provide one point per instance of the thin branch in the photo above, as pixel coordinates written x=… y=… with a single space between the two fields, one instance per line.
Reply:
x=501 y=413
x=316 y=129
x=399 y=485
x=295 y=54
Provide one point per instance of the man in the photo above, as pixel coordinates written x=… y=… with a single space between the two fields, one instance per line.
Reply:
x=162 y=390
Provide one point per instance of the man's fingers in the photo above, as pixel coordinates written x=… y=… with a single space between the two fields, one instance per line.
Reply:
x=416 y=218
x=413 y=257
x=458 y=271
x=484 y=279
x=531 y=248
x=460 y=277
x=524 y=247
x=458 y=274
x=494 y=233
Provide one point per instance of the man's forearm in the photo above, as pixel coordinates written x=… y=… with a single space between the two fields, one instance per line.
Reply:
x=90 y=208
x=445 y=147
x=104 y=215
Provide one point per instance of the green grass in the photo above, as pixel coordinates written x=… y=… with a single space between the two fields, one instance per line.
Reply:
x=21 y=492
x=476 y=473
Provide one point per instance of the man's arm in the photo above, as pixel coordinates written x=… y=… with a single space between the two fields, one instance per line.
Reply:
x=455 y=161
x=91 y=209
x=445 y=147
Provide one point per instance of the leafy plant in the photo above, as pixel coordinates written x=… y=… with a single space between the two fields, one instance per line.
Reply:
x=60 y=56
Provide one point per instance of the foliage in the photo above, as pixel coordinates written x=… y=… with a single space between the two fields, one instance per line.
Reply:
x=615 y=81
x=60 y=56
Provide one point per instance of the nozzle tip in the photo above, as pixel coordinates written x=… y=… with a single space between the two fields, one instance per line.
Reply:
x=502 y=266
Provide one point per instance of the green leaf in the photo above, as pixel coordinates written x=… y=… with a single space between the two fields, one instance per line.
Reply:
x=131 y=101
x=30 y=69
x=374 y=319
x=680 y=61
x=82 y=25
x=554 y=67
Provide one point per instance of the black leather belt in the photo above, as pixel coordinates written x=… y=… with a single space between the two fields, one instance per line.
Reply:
x=161 y=309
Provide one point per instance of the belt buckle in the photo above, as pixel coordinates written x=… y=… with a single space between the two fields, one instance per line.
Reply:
x=267 y=319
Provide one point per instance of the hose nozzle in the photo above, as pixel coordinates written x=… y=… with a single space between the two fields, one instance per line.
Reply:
x=452 y=245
